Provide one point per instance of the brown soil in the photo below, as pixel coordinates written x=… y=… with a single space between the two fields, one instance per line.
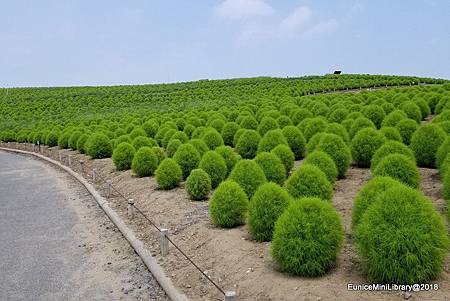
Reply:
x=231 y=258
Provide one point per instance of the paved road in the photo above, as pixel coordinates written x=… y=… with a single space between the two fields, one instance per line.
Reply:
x=56 y=244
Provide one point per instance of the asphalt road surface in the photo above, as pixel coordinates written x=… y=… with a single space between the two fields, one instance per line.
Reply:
x=57 y=244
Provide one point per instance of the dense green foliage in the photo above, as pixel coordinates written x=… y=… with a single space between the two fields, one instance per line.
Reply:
x=400 y=168
x=367 y=195
x=145 y=162
x=309 y=181
x=98 y=146
x=215 y=166
x=307 y=238
x=268 y=203
x=198 y=185
x=228 y=205
x=401 y=238
x=324 y=162
x=168 y=174
x=425 y=142
x=187 y=158
x=123 y=156
x=248 y=175
x=388 y=148
x=364 y=145
x=272 y=167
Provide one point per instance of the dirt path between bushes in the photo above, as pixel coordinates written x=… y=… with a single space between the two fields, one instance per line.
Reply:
x=231 y=258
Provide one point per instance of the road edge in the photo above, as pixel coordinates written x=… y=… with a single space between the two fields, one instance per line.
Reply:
x=151 y=263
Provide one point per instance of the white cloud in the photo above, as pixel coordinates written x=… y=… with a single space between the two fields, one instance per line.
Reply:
x=327 y=26
x=243 y=9
x=298 y=21
x=304 y=21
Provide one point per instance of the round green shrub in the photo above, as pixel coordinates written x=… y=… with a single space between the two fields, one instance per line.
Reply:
x=198 y=132
x=198 y=185
x=367 y=195
x=212 y=138
x=145 y=162
x=168 y=174
x=324 y=162
x=188 y=130
x=249 y=123
x=406 y=128
x=217 y=124
x=374 y=113
x=187 y=157
x=72 y=143
x=231 y=158
x=336 y=148
x=248 y=175
x=391 y=133
x=412 y=111
x=286 y=156
x=338 y=129
x=180 y=136
x=295 y=140
x=141 y=141
x=63 y=140
x=173 y=146
x=151 y=128
x=123 y=156
x=389 y=148
x=268 y=203
x=270 y=140
x=52 y=138
x=138 y=131
x=307 y=238
x=228 y=205
x=314 y=141
x=425 y=142
x=338 y=115
x=267 y=124
x=81 y=143
x=98 y=146
x=359 y=124
x=199 y=145
x=159 y=152
x=401 y=238
x=272 y=167
x=365 y=143
x=399 y=167
x=284 y=121
x=228 y=132
x=247 y=144
x=393 y=118
x=315 y=125
x=445 y=176
x=309 y=181
x=167 y=136
x=442 y=152
x=122 y=138
x=423 y=106
x=216 y=167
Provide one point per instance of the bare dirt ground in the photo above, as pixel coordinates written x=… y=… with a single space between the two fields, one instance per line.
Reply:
x=231 y=258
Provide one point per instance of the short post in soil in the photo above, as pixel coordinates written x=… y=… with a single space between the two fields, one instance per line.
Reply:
x=93 y=174
x=130 y=208
x=82 y=166
x=108 y=189
x=70 y=160
x=60 y=156
x=230 y=296
x=164 y=242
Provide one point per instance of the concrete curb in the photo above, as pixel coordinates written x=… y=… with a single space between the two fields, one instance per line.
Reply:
x=165 y=283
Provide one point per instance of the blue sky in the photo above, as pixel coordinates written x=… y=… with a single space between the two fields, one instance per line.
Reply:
x=60 y=42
